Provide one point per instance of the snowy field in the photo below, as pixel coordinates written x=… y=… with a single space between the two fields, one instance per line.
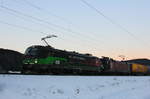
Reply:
x=74 y=87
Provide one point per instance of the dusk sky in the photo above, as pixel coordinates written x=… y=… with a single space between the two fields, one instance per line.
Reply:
x=79 y=28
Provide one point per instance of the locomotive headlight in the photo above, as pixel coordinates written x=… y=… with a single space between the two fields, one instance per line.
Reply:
x=36 y=61
x=57 y=62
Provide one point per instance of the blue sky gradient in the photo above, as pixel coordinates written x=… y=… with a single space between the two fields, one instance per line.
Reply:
x=85 y=30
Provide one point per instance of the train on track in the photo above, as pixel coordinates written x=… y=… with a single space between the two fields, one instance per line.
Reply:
x=48 y=60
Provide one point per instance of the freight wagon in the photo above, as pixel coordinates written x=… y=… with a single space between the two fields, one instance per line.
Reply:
x=113 y=67
x=139 y=69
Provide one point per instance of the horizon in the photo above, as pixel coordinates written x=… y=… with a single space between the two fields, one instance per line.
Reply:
x=80 y=53
x=78 y=27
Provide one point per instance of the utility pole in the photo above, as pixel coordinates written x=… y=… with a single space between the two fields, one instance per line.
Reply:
x=49 y=36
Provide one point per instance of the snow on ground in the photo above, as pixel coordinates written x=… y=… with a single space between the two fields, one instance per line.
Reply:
x=74 y=87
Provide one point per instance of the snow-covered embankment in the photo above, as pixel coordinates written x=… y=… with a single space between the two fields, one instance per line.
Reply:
x=73 y=87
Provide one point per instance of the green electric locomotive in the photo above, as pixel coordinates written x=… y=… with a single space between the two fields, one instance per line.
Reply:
x=46 y=59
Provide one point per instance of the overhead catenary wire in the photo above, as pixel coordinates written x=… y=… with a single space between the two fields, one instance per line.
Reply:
x=25 y=28
x=30 y=29
x=48 y=12
x=61 y=18
x=35 y=18
x=106 y=17
x=43 y=21
x=18 y=26
x=113 y=22
x=23 y=18
x=38 y=19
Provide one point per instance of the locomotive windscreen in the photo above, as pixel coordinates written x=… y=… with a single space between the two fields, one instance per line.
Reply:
x=31 y=51
x=40 y=52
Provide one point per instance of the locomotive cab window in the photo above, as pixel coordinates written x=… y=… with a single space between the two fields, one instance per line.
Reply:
x=37 y=52
x=31 y=51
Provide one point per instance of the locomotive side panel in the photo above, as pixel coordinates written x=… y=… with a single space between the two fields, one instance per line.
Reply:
x=40 y=58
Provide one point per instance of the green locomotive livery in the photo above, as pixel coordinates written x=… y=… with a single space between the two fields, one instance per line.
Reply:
x=45 y=59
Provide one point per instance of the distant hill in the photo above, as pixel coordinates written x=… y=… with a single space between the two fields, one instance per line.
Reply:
x=10 y=60
x=140 y=61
